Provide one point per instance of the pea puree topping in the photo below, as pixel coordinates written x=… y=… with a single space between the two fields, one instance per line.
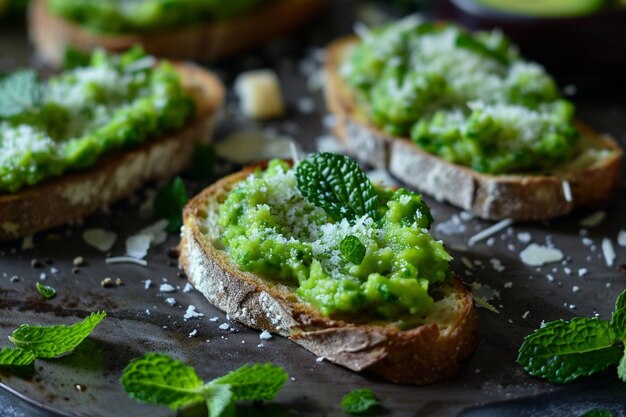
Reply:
x=468 y=98
x=50 y=128
x=383 y=268
x=122 y=16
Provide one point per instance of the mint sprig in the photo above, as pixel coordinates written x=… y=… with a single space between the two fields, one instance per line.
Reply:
x=20 y=93
x=359 y=401
x=53 y=341
x=159 y=379
x=352 y=250
x=46 y=291
x=338 y=185
x=34 y=342
x=169 y=203
x=562 y=351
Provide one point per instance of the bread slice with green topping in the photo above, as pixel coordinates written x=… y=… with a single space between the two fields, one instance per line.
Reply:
x=52 y=34
x=78 y=194
x=421 y=353
x=588 y=180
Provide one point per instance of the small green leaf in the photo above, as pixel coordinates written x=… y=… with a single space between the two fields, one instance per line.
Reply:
x=158 y=379
x=621 y=368
x=53 y=341
x=46 y=291
x=359 y=401
x=169 y=204
x=618 y=320
x=16 y=357
x=338 y=185
x=564 y=351
x=73 y=58
x=255 y=383
x=20 y=92
x=219 y=400
x=597 y=412
x=352 y=249
x=468 y=42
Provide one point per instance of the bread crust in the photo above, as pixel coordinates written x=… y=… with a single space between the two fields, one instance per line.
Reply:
x=492 y=197
x=51 y=34
x=419 y=355
x=75 y=195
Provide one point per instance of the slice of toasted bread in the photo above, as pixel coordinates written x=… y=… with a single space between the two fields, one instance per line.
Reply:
x=422 y=354
x=52 y=34
x=587 y=181
x=75 y=195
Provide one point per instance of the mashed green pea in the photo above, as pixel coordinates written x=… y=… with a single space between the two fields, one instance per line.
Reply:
x=270 y=229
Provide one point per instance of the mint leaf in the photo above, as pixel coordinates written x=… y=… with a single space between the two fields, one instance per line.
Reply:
x=20 y=92
x=16 y=357
x=338 y=185
x=255 y=383
x=169 y=204
x=564 y=351
x=46 y=291
x=359 y=401
x=53 y=341
x=597 y=412
x=621 y=368
x=468 y=42
x=352 y=249
x=158 y=379
x=618 y=320
x=220 y=400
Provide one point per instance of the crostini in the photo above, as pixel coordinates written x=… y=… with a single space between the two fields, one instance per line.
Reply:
x=206 y=35
x=346 y=269
x=93 y=134
x=464 y=118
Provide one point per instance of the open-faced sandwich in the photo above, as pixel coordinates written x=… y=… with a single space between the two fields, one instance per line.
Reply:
x=92 y=134
x=177 y=29
x=347 y=269
x=461 y=116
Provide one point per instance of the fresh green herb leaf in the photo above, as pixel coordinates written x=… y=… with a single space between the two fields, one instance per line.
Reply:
x=352 y=249
x=255 y=383
x=618 y=319
x=621 y=368
x=203 y=162
x=219 y=400
x=169 y=204
x=597 y=412
x=73 y=58
x=158 y=379
x=564 y=351
x=338 y=185
x=16 y=357
x=359 y=401
x=46 y=291
x=468 y=42
x=53 y=341
x=20 y=92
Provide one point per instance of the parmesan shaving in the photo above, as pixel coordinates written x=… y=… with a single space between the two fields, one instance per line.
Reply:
x=608 y=251
x=621 y=238
x=125 y=259
x=593 y=219
x=536 y=255
x=484 y=234
x=567 y=191
x=100 y=239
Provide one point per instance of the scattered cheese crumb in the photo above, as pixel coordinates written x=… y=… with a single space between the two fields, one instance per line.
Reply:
x=188 y=287
x=171 y=301
x=621 y=238
x=214 y=319
x=224 y=326
x=147 y=283
x=536 y=255
x=320 y=359
x=575 y=288
x=524 y=237
x=567 y=191
x=137 y=246
x=166 y=288
x=582 y=272
x=526 y=314
x=126 y=259
x=191 y=313
x=193 y=333
x=100 y=239
x=259 y=94
x=265 y=335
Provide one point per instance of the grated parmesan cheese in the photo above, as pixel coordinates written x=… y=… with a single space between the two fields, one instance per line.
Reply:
x=536 y=255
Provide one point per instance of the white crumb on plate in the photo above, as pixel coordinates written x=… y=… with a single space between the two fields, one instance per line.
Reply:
x=166 y=288
x=265 y=335
x=147 y=283
x=191 y=313
x=492 y=230
x=575 y=288
x=137 y=246
x=193 y=333
x=621 y=238
x=320 y=359
x=524 y=237
x=608 y=251
x=224 y=326
x=126 y=259
x=170 y=300
x=214 y=319
x=188 y=287
x=582 y=272
x=537 y=255
x=567 y=191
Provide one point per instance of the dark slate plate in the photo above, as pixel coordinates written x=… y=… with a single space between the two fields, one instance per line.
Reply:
x=489 y=384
